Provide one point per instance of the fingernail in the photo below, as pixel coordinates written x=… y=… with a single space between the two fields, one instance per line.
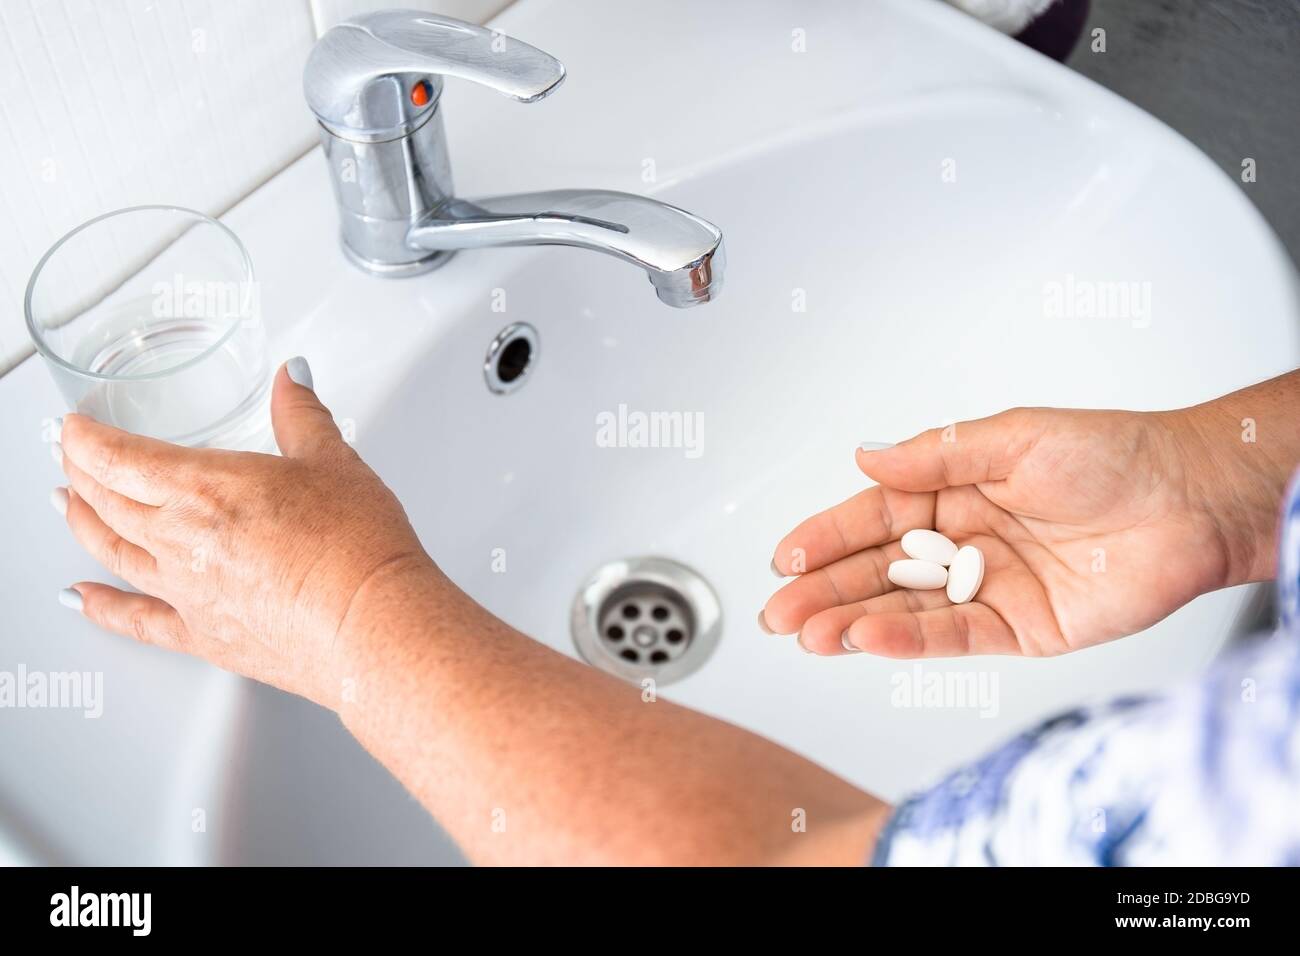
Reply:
x=844 y=641
x=775 y=569
x=299 y=372
x=71 y=598
x=875 y=445
x=801 y=645
x=59 y=500
x=58 y=428
x=762 y=622
x=56 y=452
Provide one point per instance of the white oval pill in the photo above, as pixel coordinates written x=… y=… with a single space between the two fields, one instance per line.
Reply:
x=966 y=574
x=926 y=545
x=919 y=575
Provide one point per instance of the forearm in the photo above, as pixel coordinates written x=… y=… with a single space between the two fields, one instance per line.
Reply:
x=1240 y=451
x=527 y=756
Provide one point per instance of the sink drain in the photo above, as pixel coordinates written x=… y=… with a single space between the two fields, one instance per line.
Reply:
x=646 y=617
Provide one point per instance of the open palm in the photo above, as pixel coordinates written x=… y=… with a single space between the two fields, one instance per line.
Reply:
x=1090 y=524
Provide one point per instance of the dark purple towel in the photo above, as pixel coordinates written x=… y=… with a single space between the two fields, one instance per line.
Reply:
x=1056 y=30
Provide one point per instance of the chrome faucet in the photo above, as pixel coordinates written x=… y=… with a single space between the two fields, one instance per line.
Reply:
x=375 y=83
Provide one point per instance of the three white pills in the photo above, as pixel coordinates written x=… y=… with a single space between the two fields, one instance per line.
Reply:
x=934 y=562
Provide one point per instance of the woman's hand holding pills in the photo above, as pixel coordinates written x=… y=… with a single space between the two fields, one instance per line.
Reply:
x=1083 y=526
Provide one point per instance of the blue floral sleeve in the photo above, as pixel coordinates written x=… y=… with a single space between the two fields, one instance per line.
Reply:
x=1208 y=775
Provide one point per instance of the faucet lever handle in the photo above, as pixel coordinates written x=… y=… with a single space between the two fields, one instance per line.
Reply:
x=377 y=75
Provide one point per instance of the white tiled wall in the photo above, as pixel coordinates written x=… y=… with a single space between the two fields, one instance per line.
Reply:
x=329 y=12
x=112 y=103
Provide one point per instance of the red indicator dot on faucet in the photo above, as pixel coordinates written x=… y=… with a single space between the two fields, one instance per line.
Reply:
x=420 y=93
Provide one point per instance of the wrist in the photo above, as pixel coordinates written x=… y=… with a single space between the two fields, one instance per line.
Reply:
x=389 y=611
x=1232 y=483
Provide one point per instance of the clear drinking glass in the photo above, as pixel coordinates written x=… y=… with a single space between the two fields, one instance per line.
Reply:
x=148 y=320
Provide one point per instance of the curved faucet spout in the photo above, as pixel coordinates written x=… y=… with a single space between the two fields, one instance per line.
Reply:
x=681 y=253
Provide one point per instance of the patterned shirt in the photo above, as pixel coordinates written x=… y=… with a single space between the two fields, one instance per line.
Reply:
x=1205 y=775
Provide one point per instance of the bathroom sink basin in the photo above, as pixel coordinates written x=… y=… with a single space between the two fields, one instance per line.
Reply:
x=912 y=198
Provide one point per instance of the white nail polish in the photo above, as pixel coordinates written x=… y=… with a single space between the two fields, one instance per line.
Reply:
x=59 y=500
x=71 y=598
x=299 y=372
x=775 y=570
x=844 y=642
x=762 y=623
x=58 y=428
x=56 y=452
x=875 y=445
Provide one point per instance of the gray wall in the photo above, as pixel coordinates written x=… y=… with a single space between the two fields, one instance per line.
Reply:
x=1224 y=73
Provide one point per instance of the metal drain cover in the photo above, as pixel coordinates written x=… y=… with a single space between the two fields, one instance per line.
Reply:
x=646 y=617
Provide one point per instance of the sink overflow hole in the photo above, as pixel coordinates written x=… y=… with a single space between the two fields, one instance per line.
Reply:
x=514 y=361
x=510 y=358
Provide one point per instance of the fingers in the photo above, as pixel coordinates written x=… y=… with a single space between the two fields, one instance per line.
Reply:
x=954 y=630
x=145 y=469
x=824 y=632
x=852 y=579
x=140 y=616
x=303 y=426
x=966 y=453
x=123 y=559
x=868 y=519
x=129 y=518
x=909 y=624
x=905 y=623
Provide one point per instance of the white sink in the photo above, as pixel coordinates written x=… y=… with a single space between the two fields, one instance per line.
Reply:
x=829 y=172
